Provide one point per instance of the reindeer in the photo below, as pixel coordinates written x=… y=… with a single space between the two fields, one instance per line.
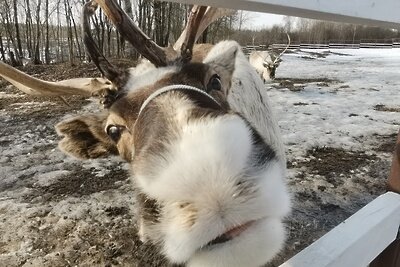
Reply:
x=197 y=130
x=266 y=62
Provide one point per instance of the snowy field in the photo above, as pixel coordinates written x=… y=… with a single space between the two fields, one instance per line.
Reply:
x=339 y=111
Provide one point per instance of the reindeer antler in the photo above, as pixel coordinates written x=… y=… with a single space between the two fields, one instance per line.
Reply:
x=199 y=20
x=279 y=56
x=211 y=15
x=195 y=18
x=33 y=86
x=141 y=42
x=106 y=68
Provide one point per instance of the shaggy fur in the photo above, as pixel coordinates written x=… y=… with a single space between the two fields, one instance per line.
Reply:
x=248 y=97
x=201 y=169
x=262 y=61
x=208 y=176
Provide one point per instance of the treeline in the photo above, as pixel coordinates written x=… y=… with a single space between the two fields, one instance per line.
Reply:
x=315 y=31
x=48 y=31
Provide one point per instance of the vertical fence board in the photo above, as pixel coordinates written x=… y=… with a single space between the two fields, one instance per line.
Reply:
x=394 y=179
x=390 y=257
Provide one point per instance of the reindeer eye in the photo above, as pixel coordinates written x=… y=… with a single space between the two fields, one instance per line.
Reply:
x=214 y=83
x=114 y=132
x=266 y=65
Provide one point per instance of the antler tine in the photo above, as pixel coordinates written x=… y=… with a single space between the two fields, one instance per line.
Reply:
x=279 y=56
x=33 y=86
x=192 y=27
x=211 y=15
x=106 y=68
x=79 y=86
x=140 y=41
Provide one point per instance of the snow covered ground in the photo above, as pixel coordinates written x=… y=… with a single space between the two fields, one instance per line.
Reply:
x=339 y=111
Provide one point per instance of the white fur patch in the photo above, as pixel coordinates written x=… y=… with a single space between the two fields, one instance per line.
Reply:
x=257 y=59
x=253 y=248
x=198 y=181
x=248 y=97
x=145 y=74
x=203 y=167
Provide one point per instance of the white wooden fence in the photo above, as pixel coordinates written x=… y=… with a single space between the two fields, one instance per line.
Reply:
x=372 y=12
x=332 y=45
x=357 y=240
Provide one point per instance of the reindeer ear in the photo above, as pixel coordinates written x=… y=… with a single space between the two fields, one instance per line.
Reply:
x=223 y=58
x=84 y=137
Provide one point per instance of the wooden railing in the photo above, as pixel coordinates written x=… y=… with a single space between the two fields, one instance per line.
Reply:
x=357 y=241
x=334 y=44
x=370 y=12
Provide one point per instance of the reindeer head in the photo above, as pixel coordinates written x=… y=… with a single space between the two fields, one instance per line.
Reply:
x=210 y=187
x=266 y=62
x=270 y=68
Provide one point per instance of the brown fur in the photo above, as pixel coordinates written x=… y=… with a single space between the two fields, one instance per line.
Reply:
x=149 y=208
x=153 y=138
x=200 y=52
x=84 y=137
x=145 y=139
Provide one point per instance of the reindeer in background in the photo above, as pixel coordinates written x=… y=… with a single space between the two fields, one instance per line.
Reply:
x=197 y=130
x=266 y=62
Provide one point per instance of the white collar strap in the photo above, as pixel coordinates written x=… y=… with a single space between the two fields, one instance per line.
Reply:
x=172 y=88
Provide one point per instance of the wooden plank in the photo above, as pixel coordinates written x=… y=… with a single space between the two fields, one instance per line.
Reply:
x=394 y=179
x=390 y=257
x=380 y=13
x=357 y=240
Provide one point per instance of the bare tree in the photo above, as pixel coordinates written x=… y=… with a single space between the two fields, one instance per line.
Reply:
x=17 y=31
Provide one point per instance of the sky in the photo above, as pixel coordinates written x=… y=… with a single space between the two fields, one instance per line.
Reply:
x=258 y=20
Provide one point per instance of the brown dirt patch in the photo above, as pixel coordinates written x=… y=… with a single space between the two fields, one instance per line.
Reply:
x=384 y=108
x=80 y=182
x=387 y=143
x=298 y=84
x=98 y=243
x=300 y=104
x=307 y=80
x=328 y=161
x=57 y=72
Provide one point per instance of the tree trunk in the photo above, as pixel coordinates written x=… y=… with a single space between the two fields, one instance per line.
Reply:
x=129 y=11
x=9 y=29
x=47 y=42
x=77 y=36
x=3 y=56
x=36 y=55
x=29 y=29
x=69 y=32
x=17 y=32
x=60 y=51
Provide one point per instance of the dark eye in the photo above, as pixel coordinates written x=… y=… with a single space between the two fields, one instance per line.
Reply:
x=214 y=83
x=114 y=132
x=268 y=66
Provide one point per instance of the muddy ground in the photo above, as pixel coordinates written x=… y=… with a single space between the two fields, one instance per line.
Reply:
x=57 y=211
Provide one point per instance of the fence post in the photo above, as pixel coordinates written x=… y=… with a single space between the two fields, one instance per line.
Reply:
x=394 y=179
x=390 y=257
